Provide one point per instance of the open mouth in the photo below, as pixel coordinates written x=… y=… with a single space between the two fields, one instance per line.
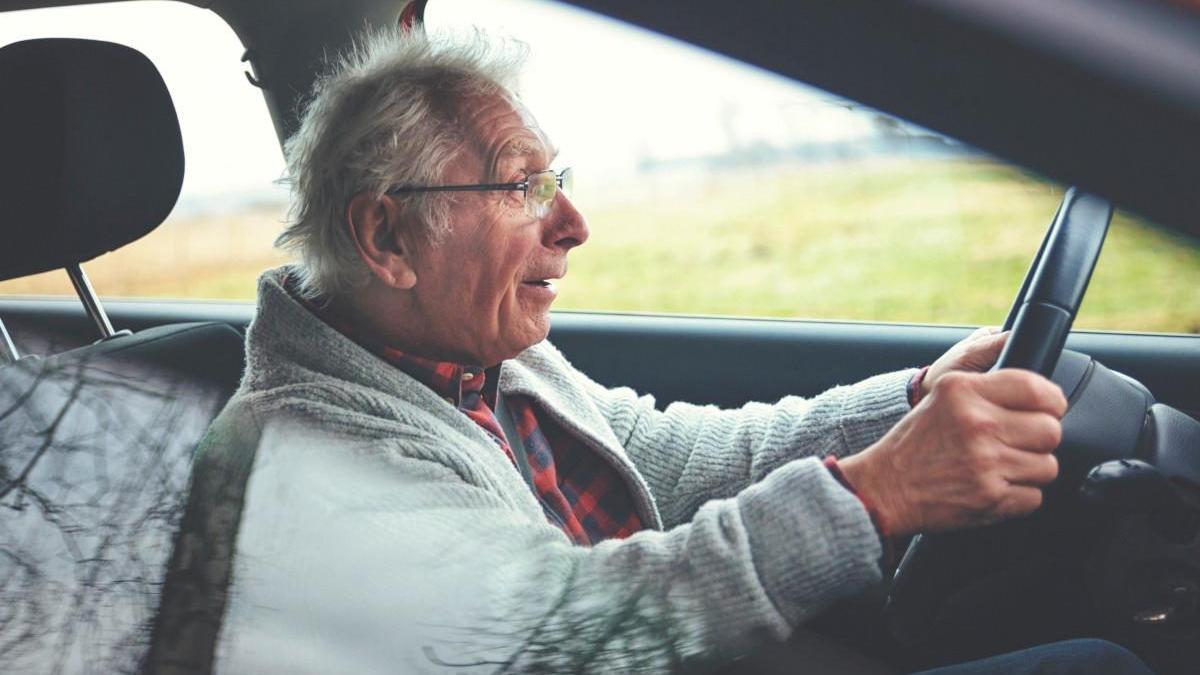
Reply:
x=547 y=281
x=543 y=288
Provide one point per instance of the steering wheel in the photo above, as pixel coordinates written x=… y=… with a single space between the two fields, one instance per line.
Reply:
x=928 y=588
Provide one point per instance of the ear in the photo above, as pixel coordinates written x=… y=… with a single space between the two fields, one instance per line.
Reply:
x=373 y=224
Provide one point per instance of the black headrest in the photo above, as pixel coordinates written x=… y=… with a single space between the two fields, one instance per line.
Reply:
x=90 y=153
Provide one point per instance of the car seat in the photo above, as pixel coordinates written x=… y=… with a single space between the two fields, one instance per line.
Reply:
x=96 y=443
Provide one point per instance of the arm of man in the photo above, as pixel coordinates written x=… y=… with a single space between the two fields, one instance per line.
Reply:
x=690 y=454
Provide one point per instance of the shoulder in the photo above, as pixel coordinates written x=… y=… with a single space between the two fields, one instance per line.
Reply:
x=544 y=355
x=544 y=370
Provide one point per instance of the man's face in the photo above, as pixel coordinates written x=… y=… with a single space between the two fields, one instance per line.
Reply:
x=486 y=288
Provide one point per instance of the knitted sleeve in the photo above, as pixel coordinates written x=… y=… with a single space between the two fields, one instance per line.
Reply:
x=690 y=454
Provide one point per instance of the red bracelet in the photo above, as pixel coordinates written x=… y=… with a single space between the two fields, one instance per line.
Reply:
x=915 y=394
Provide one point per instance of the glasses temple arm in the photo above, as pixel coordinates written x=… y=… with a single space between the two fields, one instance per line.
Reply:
x=488 y=187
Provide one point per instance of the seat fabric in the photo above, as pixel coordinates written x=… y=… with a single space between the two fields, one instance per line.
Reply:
x=95 y=461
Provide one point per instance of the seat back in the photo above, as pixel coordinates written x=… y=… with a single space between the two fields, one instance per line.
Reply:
x=96 y=443
x=95 y=461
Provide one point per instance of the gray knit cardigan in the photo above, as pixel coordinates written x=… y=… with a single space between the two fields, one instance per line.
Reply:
x=383 y=531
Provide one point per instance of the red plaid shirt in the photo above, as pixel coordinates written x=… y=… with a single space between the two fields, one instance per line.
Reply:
x=580 y=493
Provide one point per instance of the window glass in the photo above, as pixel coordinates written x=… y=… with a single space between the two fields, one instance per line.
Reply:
x=710 y=187
x=714 y=188
x=219 y=235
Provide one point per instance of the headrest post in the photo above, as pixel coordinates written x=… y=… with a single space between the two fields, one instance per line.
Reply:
x=91 y=303
x=8 y=351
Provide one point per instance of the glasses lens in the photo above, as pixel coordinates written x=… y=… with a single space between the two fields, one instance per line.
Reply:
x=567 y=176
x=540 y=193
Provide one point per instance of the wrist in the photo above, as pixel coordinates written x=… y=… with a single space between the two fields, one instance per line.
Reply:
x=860 y=471
x=887 y=559
x=877 y=519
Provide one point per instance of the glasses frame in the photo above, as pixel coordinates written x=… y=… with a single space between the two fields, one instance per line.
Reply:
x=522 y=186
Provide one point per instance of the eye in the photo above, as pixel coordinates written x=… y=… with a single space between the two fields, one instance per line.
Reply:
x=513 y=197
x=543 y=190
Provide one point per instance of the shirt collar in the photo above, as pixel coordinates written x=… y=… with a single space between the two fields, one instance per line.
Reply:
x=452 y=381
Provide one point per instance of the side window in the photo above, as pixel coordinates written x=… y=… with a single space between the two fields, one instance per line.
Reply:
x=218 y=238
x=713 y=188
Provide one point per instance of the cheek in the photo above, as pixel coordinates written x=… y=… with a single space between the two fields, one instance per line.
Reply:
x=508 y=268
x=493 y=265
x=485 y=287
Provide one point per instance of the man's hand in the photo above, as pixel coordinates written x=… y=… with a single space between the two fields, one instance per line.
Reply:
x=975 y=451
x=973 y=354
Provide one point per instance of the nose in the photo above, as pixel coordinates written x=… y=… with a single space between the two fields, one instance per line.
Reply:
x=566 y=227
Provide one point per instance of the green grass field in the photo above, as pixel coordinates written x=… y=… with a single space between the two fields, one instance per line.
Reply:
x=913 y=242
x=909 y=241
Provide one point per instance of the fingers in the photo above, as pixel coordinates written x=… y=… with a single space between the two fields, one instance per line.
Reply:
x=979 y=350
x=985 y=336
x=982 y=332
x=986 y=350
x=1036 y=432
x=1023 y=390
x=1018 y=500
x=1028 y=468
x=993 y=341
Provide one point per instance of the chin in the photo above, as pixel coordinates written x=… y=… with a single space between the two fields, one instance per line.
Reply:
x=538 y=330
x=531 y=331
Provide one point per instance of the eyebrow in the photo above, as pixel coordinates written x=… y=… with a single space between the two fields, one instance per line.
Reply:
x=518 y=146
x=524 y=147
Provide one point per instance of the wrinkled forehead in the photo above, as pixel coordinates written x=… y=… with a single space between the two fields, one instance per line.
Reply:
x=501 y=130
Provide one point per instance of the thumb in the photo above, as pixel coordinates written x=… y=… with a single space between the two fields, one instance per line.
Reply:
x=993 y=343
x=984 y=352
x=983 y=332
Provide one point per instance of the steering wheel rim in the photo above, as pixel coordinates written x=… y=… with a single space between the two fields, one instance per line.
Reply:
x=1054 y=286
x=1040 y=320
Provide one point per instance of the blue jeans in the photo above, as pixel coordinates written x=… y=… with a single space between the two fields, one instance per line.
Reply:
x=1071 y=657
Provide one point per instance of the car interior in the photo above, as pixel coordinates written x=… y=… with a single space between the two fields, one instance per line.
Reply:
x=102 y=403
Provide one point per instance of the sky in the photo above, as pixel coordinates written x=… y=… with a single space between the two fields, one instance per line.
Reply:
x=608 y=94
x=667 y=98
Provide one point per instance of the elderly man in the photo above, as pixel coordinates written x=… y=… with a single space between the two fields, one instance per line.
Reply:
x=431 y=484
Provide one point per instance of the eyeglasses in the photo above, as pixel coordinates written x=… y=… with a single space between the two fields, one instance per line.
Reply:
x=538 y=189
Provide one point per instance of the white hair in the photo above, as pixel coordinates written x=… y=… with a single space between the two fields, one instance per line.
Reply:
x=386 y=113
